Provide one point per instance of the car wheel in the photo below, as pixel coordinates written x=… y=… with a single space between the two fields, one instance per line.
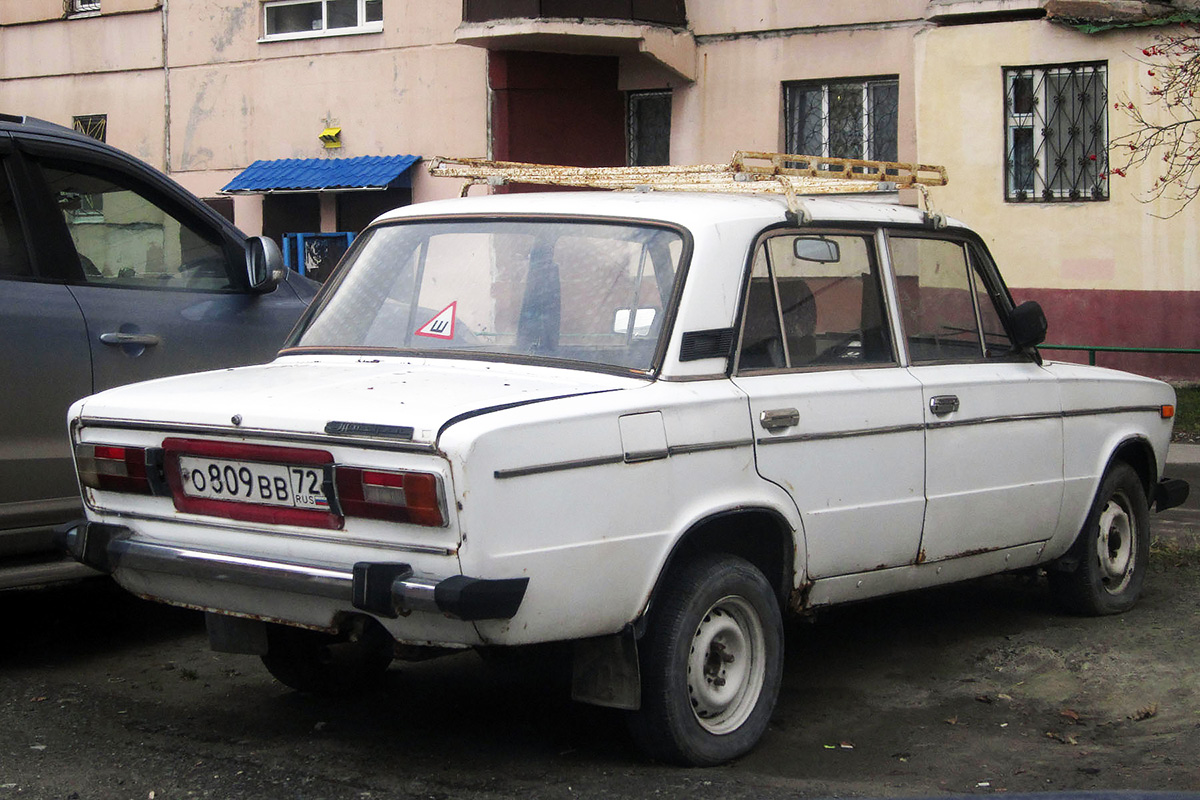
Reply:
x=321 y=663
x=711 y=661
x=1111 y=551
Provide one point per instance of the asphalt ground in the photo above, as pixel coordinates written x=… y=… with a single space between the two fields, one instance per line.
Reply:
x=1181 y=523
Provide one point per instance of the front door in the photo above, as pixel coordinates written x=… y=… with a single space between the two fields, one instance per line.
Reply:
x=161 y=291
x=994 y=441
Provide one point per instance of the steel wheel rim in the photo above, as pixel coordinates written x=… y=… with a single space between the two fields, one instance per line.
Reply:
x=726 y=665
x=1116 y=545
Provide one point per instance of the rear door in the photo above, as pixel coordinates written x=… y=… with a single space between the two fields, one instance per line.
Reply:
x=838 y=422
x=994 y=440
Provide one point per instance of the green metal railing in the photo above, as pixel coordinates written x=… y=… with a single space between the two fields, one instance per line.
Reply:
x=1092 y=349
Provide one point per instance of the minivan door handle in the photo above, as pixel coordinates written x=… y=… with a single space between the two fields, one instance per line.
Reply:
x=943 y=404
x=119 y=339
x=779 y=418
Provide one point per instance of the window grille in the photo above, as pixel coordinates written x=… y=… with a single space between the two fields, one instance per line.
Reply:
x=851 y=118
x=82 y=6
x=93 y=125
x=1056 y=133
x=649 y=129
x=291 y=19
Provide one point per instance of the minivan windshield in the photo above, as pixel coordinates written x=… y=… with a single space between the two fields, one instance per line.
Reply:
x=582 y=291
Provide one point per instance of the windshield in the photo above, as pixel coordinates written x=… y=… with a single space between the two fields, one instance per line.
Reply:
x=571 y=290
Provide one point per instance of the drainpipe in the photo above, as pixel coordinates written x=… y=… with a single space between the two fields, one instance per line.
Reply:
x=166 y=93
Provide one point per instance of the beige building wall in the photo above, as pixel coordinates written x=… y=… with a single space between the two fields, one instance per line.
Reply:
x=736 y=102
x=1121 y=243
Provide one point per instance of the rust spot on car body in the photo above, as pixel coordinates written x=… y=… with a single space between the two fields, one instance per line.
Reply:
x=798 y=601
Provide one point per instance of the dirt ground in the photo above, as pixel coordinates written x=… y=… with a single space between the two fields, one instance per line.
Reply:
x=980 y=688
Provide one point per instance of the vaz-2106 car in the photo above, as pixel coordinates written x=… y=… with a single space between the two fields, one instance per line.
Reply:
x=648 y=423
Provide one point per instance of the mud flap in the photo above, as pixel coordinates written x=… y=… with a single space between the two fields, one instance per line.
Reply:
x=605 y=671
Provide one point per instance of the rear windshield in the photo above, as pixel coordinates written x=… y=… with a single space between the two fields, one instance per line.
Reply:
x=570 y=290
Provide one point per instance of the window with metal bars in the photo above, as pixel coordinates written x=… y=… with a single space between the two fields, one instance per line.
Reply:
x=648 y=128
x=82 y=6
x=1056 y=133
x=846 y=118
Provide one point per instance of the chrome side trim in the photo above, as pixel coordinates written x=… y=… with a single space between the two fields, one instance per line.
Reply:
x=960 y=423
x=706 y=447
x=187 y=563
x=1092 y=412
x=818 y=437
x=226 y=431
x=537 y=469
x=631 y=458
x=964 y=423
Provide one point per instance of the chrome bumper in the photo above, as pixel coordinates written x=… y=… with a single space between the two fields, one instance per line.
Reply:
x=385 y=589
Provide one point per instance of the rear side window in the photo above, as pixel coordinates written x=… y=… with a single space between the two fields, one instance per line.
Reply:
x=815 y=300
x=14 y=258
x=125 y=239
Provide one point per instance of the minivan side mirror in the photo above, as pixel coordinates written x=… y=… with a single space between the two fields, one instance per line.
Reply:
x=264 y=264
x=1028 y=323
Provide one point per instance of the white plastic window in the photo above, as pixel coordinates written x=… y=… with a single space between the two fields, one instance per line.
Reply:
x=300 y=19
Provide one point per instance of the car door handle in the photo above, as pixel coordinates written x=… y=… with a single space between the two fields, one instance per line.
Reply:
x=943 y=404
x=119 y=339
x=778 y=418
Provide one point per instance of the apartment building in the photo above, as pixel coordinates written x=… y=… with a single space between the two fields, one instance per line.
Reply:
x=311 y=115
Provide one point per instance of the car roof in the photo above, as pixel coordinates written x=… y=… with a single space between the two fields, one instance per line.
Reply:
x=688 y=209
x=16 y=123
x=33 y=129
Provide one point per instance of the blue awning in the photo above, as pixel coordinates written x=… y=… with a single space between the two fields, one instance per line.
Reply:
x=323 y=174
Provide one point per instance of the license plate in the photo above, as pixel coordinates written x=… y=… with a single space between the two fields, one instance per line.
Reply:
x=287 y=485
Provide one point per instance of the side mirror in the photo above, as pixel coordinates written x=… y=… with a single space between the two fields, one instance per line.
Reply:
x=1028 y=323
x=264 y=264
x=823 y=251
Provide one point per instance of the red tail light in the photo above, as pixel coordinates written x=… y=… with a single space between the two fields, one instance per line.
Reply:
x=413 y=497
x=113 y=468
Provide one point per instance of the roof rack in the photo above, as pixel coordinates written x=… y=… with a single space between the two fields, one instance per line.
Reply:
x=747 y=172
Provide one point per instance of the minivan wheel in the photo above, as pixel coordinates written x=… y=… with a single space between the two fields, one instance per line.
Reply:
x=1112 y=549
x=711 y=660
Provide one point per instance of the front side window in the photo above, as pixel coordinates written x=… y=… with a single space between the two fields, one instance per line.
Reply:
x=1056 y=133
x=294 y=19
x=947 y=310
x=595 y=293
x=814 y=300
x=125 y=239
x=853 y=118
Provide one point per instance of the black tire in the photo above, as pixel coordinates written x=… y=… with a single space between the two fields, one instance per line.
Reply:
x=1110 y=555
x=321 y=663
x=711 y=663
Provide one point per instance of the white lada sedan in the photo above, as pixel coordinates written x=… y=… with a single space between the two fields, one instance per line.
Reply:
x=650 y=424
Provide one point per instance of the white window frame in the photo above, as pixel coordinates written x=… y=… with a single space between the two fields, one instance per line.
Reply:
x=80 y=8
x=322 y=32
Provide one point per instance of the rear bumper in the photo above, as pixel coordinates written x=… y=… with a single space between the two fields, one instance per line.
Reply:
x=385 y=589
